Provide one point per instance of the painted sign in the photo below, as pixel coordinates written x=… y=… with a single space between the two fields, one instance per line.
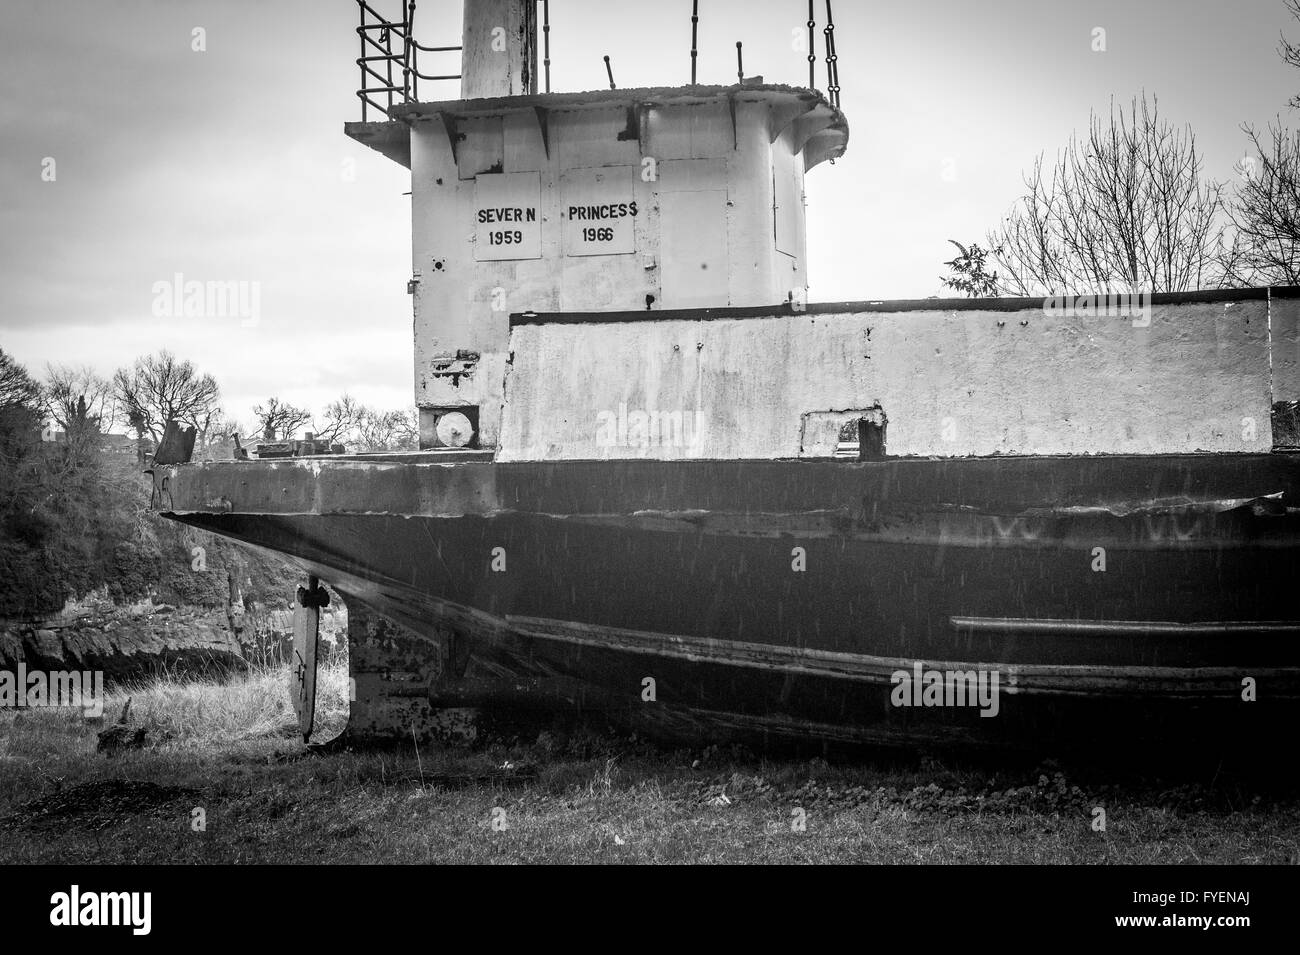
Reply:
x=599 y=210
x=507 y=216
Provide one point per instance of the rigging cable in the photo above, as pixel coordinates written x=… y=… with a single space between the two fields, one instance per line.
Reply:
x=695 y=23
x=832 y=63
x=812 y=46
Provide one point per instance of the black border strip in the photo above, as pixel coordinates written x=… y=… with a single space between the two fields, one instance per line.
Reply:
x=888 y=305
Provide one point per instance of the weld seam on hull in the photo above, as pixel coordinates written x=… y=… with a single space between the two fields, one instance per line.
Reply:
x=1065 y=680
x=1121 y=628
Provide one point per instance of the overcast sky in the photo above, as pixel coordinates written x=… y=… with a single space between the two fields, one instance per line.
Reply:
x=231 y=163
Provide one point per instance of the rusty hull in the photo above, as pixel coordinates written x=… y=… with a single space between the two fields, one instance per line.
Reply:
x=567 y=585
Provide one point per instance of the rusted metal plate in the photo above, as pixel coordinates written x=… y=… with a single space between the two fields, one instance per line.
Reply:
x=306 y=637
x=177 y=446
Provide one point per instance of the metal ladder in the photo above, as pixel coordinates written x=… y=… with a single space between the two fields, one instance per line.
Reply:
x=389 y=60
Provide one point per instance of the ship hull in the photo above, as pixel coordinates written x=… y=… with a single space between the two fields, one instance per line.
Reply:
x=797 y=598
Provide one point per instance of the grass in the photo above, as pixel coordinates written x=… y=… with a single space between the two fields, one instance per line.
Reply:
x=230 y=750
x=253 y=706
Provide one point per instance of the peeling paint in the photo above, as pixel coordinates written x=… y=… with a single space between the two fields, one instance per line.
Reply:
x=462 y=365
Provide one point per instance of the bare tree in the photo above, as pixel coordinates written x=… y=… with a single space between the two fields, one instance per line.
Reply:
x=279 y=419
x=1291 y=52
x=1265 y=207
x=217 y=429
x=1124 y=209
x=341 y=420
x=81 y=404
x=17 y=387
x=21 y=407
x=1265 y=211
x=387 y=431
x=159 y=388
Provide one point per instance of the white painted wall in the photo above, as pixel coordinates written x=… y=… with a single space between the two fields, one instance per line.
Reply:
x=953 y=382
x=463 y=302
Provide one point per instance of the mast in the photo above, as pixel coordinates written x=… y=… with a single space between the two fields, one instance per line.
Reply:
x=499 y=49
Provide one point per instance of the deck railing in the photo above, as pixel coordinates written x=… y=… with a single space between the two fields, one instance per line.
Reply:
x=390 y=60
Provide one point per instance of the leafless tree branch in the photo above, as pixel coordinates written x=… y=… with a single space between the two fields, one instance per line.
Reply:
x=1123 y=209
